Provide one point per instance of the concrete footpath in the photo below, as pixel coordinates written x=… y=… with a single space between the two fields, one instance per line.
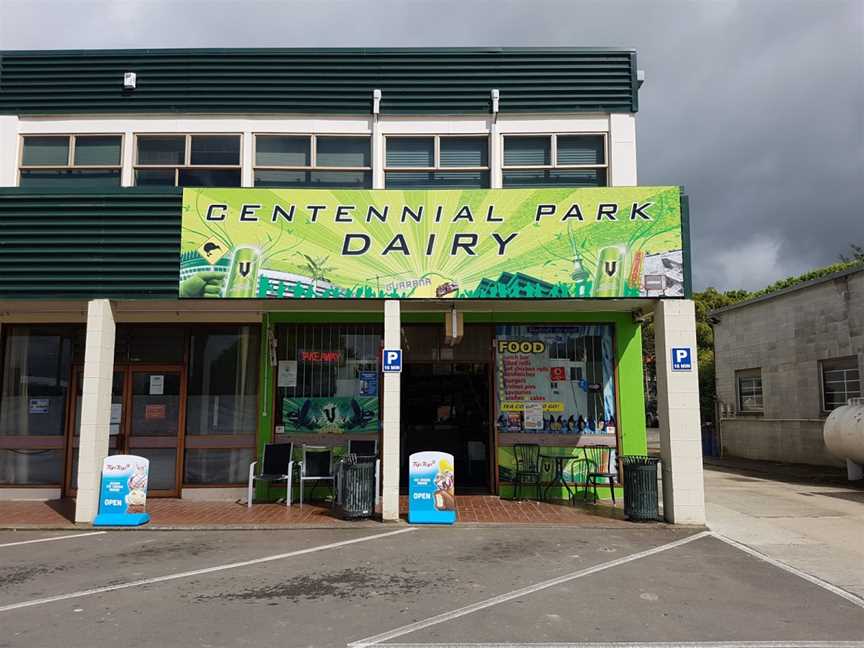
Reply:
x=806 y=517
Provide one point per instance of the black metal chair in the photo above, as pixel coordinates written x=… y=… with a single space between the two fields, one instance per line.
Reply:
x=317 y=466
x=527 y=468
x=276 y=466
x=604 y=471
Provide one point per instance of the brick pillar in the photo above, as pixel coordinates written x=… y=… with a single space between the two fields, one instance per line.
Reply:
x=392 y=401
x=678 y=409
x=95 y=407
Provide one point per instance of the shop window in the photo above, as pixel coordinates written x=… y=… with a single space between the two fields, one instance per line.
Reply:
x=187 y=160
x=437 y=162
x=327 y=379
x=218 y=465
x=555 y=386
x=555 y=380
x=35 y=384
x=749 y=386
x=313 y=161
x=552 y=160
x=150 y=344
x=841 y=380
x=222 y=404
x=70 y=161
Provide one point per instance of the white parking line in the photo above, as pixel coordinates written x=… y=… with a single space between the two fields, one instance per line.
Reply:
x=524 y=591
x=195 y=572
x=849 y=596
x=52 y=538
x=644 y=644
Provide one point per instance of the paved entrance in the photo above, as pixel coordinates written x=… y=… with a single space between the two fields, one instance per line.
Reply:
x=398 y=585
x=174 y=513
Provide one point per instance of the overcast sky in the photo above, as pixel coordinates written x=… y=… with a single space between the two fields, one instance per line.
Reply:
x=756 y=107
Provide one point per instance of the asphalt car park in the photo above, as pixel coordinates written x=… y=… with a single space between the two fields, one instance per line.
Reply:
x=402 y=585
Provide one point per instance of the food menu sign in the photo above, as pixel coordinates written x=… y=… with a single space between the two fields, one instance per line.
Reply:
x=554 y=379
x=560 y=243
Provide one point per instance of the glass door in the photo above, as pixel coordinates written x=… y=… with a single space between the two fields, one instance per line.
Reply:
x=115 y=440
x=146 y=419
x=154 y=424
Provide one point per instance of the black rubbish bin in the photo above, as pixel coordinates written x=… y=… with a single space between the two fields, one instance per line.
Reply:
x=640 y=488
x=355 y=487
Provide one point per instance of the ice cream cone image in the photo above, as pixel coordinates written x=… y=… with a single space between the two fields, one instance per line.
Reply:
x=136 y=500
x=445 y=495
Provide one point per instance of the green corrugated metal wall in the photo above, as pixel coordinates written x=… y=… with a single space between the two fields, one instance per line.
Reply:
x=319 y=80
x=123 y=244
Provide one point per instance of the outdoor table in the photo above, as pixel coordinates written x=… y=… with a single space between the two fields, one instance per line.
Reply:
x=559 y=462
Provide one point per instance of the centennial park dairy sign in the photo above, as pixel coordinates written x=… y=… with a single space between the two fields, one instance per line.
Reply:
x=442 y=244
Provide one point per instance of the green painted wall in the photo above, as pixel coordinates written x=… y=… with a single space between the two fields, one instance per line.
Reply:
x=628 y=350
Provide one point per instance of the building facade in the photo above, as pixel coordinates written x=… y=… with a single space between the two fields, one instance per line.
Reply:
x=110 y=344
x=784 y=362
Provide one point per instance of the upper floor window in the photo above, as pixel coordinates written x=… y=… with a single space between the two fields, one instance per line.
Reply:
x=437 y=162
x=749 y=384
x=313 y=161
x=841 y=381
x=70 y=161
x=187 y=160
x=552 y=160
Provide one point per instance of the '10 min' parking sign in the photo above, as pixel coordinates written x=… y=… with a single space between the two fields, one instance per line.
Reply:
x=682 y=359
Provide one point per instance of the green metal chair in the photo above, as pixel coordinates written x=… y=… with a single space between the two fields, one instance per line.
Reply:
x=607 y=461
x=527 y=468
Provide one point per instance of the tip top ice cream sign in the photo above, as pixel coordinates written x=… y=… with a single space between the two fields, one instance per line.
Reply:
x=480 y=244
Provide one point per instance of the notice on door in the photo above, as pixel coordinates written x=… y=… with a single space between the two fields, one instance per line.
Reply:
x=39 y=405
x=157 y=385
x=286 y=375
x=116 y=418
x=154 y=412
x=532 y=416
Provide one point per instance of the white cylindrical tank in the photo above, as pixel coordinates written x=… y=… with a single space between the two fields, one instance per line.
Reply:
x=844 y=431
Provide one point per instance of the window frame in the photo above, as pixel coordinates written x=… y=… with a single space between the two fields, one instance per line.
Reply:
x=71 y=139
x=436 y=156
x=822 y=393
x=313 y=153
x=553 y=155
x=750 y=373
x=187 y=156
x=313 y=166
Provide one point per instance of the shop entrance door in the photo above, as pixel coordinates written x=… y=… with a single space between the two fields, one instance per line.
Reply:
x=446 y=402
x=147 y=415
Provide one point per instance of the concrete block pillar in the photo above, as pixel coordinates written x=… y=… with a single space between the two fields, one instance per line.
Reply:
x=95 y=407
x=678 y=409
x=392 y=400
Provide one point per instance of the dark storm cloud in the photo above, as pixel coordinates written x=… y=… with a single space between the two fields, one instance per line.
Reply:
x=756 y=107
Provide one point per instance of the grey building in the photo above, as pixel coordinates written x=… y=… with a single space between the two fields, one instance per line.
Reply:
x=783 y=361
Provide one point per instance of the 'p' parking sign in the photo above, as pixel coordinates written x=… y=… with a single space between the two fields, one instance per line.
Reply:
x=682 y=359
x=391 y=360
